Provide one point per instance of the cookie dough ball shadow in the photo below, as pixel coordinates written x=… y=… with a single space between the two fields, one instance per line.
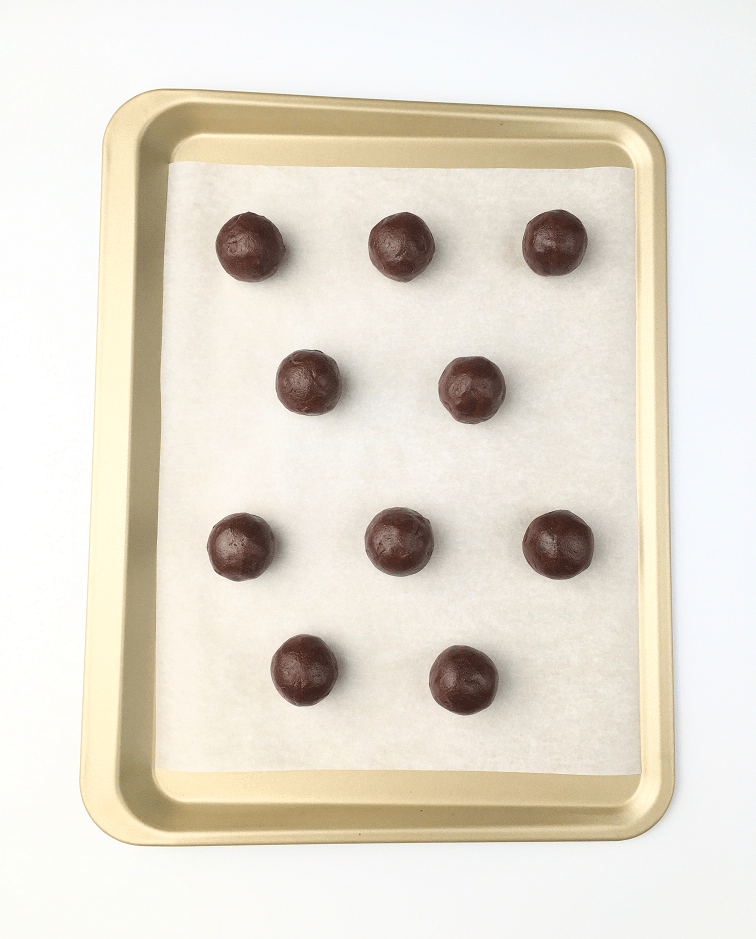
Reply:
x=289 y=259
x=282 y=550
x=346 y=672
x=441 y=541
x=347 y=386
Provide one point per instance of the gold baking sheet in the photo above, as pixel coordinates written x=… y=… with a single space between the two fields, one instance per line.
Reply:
x=121 y=788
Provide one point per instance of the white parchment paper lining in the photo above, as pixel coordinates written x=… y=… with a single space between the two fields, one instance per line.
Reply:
x=567 y=651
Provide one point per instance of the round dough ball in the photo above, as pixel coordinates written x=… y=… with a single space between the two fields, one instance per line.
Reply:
x=401 y=246
x=250 y=247
x=554 y=243
x=308 y=382
x=472 y=389
x=463 y=680
x=399 y=541
x=304 y=670
x=241 y=546
x=558 y=545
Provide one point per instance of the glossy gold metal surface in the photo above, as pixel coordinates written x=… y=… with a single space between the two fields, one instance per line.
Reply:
x=123 y=792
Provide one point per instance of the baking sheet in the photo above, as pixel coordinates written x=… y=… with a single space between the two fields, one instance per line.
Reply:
x=567 y=651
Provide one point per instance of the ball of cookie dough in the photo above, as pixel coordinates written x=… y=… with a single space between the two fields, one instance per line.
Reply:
x=472 y=389
x=401 y=246
x=241 y=546
x=308 y=382
x=399 y=541
x=250 y=247
x=558 y=545
x=463 y=680
x=304 y=670
x=554 y=243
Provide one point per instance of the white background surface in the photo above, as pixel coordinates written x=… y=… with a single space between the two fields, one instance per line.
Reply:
x=686 y=68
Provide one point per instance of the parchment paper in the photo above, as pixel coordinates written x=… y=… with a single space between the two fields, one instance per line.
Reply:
x=567 y=651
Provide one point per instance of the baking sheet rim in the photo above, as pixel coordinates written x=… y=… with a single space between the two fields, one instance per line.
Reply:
x=128 y=798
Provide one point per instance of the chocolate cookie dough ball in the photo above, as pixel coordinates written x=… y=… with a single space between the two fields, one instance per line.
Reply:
x=558 y=545
x=241 y=546
x=308 y=382
x=463 y=680
x=304 y=670
x=472 y=389
x=554 y=243
x=250 y=247
x=401 y=246
x=399 y=541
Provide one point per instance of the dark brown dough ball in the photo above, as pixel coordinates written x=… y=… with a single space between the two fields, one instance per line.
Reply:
x=250 y=247
x=399 y=541
x=472 y=389
x=304 y=670
x=554 y=242
x=401 y=246
x=558 y=545
x=241 y=546
x=463 y=680
x=308 y=382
